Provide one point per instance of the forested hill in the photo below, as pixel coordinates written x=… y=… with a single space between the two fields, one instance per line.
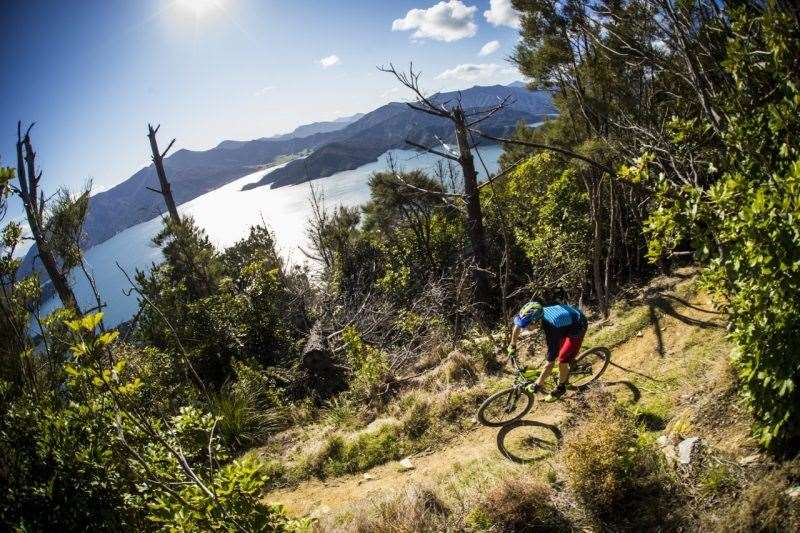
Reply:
x=389 y=126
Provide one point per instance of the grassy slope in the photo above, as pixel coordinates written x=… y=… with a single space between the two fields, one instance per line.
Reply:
x=671 y=377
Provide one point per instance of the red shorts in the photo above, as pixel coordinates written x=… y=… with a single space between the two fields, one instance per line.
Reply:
x=569 y=348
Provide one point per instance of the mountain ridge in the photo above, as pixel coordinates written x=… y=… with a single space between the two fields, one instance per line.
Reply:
x=196 y=172
x=390 y=125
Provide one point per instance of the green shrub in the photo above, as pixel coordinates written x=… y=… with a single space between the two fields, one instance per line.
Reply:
x=341 y=412
x=338 y=455
x=367 y=449
x=417 y=418
x=745 y=225
x=459 y=404
x=232 y=502
x=244 y=418
x=370 y=365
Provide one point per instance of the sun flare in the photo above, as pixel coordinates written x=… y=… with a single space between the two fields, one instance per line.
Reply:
x=198 y=7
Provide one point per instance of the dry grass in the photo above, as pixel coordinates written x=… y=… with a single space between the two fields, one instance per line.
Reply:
x=767 y=504
x=517 y=504
x=613 y=471
x=414 y=510
x=459 y=368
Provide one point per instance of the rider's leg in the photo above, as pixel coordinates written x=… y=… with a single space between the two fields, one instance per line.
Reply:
x=563 y=373
x=548 y=367
x=569 y=349
x=554 y=340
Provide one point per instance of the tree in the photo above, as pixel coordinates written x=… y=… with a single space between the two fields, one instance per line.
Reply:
x=34 y=201
x=165 y=189
x=462 y=121
x=745 y=224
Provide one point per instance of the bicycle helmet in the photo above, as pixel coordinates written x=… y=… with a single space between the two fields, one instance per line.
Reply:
x=529 y=313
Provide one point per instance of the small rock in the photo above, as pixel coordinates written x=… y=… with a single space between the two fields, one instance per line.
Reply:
x=670 y=455
x=640 y=334
x=406 y=465
x=366 y=477
x=793 y=492
x=687 y=448
x=749 y=460
x=663 y=440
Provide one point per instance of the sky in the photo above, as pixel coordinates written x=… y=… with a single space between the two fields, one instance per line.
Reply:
x=93 y=73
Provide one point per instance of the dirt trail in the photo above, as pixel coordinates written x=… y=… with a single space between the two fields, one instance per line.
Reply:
x=674 y=323
x=315 y=497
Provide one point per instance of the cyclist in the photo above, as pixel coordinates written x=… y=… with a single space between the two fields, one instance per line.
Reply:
x=564 y=328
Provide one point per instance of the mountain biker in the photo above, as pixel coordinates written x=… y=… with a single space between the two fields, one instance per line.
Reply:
x=564 y=328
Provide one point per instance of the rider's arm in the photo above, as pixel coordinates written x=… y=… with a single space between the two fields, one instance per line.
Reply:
x=514 y=337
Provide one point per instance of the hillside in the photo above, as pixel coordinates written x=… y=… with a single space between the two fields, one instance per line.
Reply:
x=669 y=378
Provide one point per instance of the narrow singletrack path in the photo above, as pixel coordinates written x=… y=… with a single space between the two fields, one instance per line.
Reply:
x=675 y=321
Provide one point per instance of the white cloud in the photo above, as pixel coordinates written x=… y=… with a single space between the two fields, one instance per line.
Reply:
x=502 y=13
x=470 y=72
x=489 y=48
x=446 y=21
x=264 y=90
x=330 y=61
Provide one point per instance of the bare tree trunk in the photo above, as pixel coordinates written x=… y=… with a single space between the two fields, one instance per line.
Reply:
x=158 y=161
x=592 y=189
x=33 y=201
x=475 y=227
x=610 y=249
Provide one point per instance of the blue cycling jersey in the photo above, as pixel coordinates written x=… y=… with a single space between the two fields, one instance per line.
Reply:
x=562 y=316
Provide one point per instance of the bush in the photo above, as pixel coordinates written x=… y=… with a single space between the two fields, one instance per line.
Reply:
x=244 y=419
x=233 y=504
x=458 y=404
x=337 y=455
x=370 y=365
x=745 y=225
x=766 y=505
x=460 y=368
x=417 y=418
x=417 y=510
x=517 y=504
x=341 y=412
x=608 y=466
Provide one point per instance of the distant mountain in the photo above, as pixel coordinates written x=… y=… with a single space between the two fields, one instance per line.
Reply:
x=306 y=130
x=319 y=127
x=389 y=126
x=352 y=142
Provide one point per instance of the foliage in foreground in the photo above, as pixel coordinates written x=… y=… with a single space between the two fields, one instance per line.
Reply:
x=94 y=455
x=746 y=224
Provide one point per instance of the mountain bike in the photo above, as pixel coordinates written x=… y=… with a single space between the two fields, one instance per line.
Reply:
x=511 y=404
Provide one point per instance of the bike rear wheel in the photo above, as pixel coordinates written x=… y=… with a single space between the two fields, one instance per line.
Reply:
x=505 y=406
x=589 y=366
x=526 y=441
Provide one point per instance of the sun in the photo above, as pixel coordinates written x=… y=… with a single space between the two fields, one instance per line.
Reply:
x=198 y=7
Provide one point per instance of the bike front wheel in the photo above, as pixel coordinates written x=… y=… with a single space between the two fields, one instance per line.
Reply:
x=528 y=441
x=589 y=366
x=505 y=406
